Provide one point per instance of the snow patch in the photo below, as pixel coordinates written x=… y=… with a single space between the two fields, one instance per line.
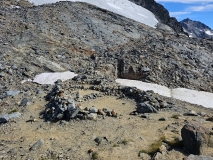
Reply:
x=192 y=96
x=26 y=80
x=114 y=6
x=13 y=6
x=209 y=33
x=121 y=7
x=162 y=90
x=50 y=78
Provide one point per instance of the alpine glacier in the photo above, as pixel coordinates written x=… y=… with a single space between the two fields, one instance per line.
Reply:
x=121 y=7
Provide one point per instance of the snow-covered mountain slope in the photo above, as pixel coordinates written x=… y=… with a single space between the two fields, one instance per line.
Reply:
x=161 y=13
x=121 y=7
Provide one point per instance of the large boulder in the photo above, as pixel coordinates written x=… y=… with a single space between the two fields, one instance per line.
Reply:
x=196 y=138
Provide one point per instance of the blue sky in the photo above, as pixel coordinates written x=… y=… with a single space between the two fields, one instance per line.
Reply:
x=198 y=10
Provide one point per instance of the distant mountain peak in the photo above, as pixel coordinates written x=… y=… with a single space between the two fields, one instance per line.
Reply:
x=196 y=29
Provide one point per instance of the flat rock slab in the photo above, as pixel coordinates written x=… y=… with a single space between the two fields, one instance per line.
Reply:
x=4 y=118
x=12 y=93
x=50 y=65
x=51 y=78
x=37 y=145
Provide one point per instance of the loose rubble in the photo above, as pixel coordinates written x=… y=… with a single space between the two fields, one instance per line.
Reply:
x=62 y=106
x=90 y=115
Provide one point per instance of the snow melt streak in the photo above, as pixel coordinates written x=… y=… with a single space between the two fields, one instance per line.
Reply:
x=192 y=96
x=121 y=7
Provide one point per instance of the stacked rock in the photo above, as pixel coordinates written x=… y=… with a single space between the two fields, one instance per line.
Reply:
x=62 y=106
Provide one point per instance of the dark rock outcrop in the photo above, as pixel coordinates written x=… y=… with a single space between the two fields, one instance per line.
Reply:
x=197 y=29
x=161 y=14
x=196 y=138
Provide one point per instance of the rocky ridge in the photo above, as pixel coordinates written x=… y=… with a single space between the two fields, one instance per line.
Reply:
x=161 y=13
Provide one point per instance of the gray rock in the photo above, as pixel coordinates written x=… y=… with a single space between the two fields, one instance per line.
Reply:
x=98 y=140
x=74 y=114
x=39 y=91
x=163 y=104
x=27 y=69
x=24 y=102
x=14 y=67
x=37 y=145
x=4 y=118
x=194 y=157
x=163 y=119
x=210 y=119
x=146 y=69
x=92 y=116
x=202 y=114
x=60 y=116
x=164 y=27
x=71 y=107
x=144 y=156
x=10 y=71
x=146 y=108
x=63 y=122
x=12 y=93
x=2 y=75
x=145 y=115
x=191 y=113
x=104 y=110
x=12 y=151
x=70 y=101
x=46 y=63
x=109 y=113
x=22 y=152
x=195 y=138
x=93 y=110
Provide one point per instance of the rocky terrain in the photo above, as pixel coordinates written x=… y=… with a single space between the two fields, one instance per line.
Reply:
x=196 y=29
x=91 y=116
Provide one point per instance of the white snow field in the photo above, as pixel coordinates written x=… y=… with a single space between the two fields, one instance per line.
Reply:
x=121 y=7
x=50 y=78
x=209 y=33
x=192 y=96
